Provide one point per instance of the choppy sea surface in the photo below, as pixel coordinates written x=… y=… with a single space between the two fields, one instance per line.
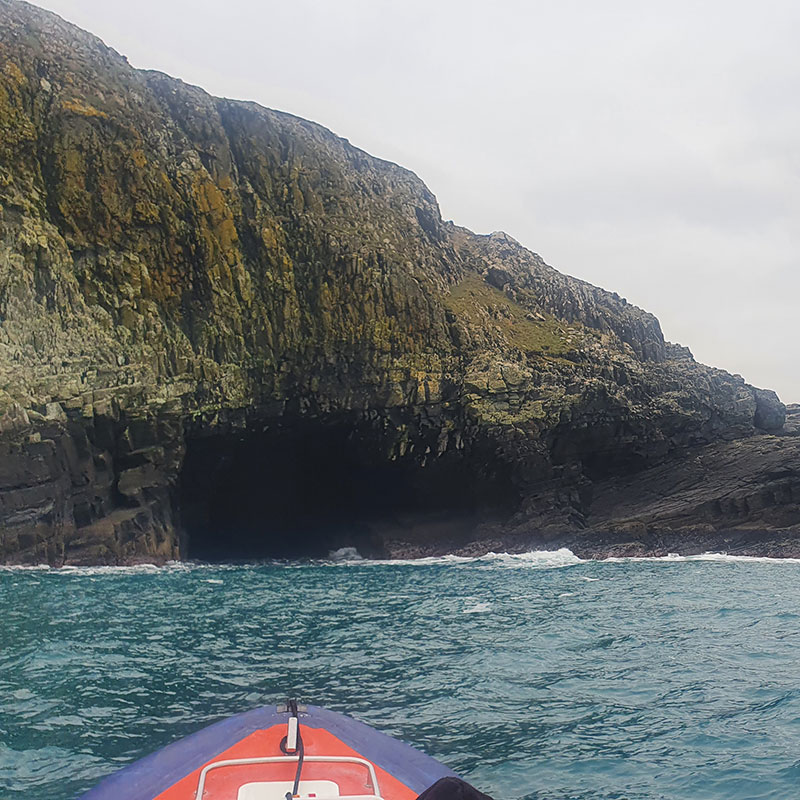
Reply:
x=535 y=676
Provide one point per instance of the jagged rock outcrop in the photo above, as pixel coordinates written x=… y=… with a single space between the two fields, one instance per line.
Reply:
x=226 y=331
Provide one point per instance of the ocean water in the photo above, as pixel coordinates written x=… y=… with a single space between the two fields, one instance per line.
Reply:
x=536 y=676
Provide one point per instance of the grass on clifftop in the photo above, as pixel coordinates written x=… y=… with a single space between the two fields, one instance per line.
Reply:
x=482 y=305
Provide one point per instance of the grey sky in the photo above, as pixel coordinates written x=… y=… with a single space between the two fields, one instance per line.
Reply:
x=648 y=147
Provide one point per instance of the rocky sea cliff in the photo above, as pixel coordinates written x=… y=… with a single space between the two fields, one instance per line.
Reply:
x=225 y=332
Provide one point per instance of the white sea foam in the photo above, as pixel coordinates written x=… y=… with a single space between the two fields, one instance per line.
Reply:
x=721 y=557
x=563 y=557
x=537 y=559
x=24 y=567
x=345 y=554
x=136 y=569
x=478 y=608
x=412 y=562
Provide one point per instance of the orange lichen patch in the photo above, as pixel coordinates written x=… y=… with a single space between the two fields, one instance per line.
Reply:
x=210 y=199
x=138 y=159
x=146 y=212
x=165 y=284
x=213 y=205
x=14 y=73
x=84 y=109
x=16 y=127
x=227 y=234
x=273 y=238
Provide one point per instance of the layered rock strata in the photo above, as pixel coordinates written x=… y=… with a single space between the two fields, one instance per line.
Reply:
x=225 y=331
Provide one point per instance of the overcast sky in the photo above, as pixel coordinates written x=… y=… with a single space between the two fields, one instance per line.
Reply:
x=651 y=148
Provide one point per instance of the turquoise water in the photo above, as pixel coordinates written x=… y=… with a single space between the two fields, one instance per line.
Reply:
x=536 y=676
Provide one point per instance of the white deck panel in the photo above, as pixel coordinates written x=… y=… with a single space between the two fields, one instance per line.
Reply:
x=276 y=790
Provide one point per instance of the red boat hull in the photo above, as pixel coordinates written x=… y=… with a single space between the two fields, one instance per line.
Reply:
x=180 y=769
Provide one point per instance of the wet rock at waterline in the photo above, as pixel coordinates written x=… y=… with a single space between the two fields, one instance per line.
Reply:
x=226 y=332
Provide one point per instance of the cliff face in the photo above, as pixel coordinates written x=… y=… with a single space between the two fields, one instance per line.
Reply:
x=225 y=331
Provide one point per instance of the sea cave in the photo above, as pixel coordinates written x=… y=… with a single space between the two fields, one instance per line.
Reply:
x=305 y=488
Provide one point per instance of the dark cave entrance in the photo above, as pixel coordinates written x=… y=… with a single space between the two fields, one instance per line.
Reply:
x=302 y=489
